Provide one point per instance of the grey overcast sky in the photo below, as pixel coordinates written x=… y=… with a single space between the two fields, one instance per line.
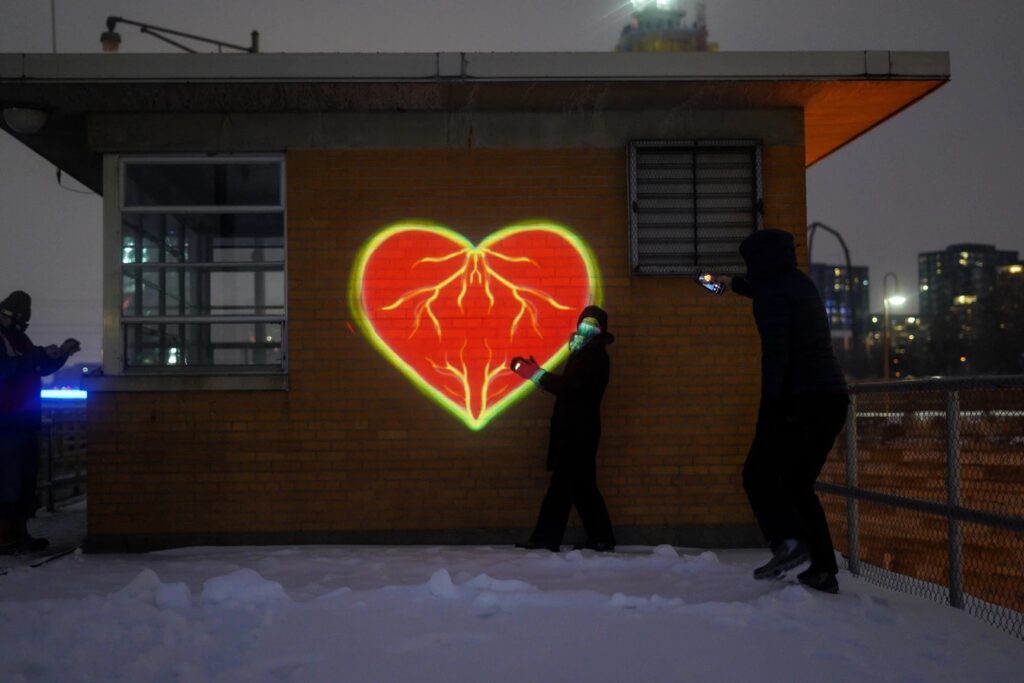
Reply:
x=946 y=170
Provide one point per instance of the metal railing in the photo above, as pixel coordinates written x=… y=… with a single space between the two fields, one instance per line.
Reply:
x=924 y=491
x=62 y=464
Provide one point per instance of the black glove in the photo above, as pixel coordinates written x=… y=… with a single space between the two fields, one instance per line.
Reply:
x=70 y=346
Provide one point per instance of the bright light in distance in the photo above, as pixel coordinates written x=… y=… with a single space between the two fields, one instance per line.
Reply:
x=963 y=359
x=660 y=4
x=64 y=394
x=1016 y=270
x=897 y=300
x=911 y=320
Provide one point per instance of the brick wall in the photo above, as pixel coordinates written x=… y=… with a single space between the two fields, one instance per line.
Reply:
x=352 y=448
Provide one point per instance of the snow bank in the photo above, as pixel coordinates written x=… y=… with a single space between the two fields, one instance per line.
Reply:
x=243 y=587
x=494 y=614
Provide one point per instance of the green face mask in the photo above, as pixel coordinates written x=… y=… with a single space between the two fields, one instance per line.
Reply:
x=583 y=334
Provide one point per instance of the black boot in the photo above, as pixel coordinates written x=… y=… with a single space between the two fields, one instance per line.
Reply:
x=786 y=554
x=596 y=546
x=26 y=540
x=823 y=581
x=530 y=545
x=8 y=541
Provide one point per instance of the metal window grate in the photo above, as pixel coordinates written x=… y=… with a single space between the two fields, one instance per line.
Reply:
x=691 y=204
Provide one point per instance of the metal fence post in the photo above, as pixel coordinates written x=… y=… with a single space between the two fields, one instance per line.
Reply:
x=956 y=588
x=852 y=518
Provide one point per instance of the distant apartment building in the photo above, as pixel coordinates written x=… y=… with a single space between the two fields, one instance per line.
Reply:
x=845 y=298
x=961 y=304
x=846 y=303
x=959 y=275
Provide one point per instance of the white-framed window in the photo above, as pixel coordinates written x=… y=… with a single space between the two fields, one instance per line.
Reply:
x=691 y=203
x=202 y=260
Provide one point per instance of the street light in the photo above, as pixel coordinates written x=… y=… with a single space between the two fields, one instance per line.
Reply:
x=894 y=300
x=854 y=319
x=111 y=39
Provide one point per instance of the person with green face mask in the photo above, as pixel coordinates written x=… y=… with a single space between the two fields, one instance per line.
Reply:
x=575 y=434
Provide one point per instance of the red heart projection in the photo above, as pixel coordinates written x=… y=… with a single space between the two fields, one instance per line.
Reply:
x=450 y=315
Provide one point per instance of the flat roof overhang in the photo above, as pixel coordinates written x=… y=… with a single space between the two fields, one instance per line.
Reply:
x=842 y=94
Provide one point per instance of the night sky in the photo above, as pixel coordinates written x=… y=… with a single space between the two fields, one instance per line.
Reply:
x=942 y=172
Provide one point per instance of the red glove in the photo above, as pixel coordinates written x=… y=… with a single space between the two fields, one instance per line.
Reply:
x=524 y=367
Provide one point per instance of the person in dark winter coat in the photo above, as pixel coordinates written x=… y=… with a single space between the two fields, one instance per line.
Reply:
x=804 y=403
x=21 y=366
x=575 y=434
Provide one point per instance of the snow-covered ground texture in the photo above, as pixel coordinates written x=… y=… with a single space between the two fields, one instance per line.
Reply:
x=490 y=614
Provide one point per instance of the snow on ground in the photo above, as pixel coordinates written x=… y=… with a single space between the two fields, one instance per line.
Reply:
x=416 y=613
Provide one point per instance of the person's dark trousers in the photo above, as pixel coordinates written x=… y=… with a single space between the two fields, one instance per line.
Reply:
x=19 y=466
x=783 y=463
x=568 y=488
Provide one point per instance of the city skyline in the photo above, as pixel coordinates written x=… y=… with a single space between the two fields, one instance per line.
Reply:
x=862 y=272
x=932 y=176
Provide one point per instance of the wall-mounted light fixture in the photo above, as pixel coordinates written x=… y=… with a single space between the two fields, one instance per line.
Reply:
x=25 y=120
x=111 y=39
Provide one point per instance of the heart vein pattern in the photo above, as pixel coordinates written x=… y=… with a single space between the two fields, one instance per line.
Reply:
x=450 y=314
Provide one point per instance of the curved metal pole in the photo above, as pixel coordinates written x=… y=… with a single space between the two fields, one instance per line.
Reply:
x=842 y=243
x=854 y=321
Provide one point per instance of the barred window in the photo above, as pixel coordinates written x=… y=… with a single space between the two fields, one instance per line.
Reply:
x=203 y=264
x=691 y=204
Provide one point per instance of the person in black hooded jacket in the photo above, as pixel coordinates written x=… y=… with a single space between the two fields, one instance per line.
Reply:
x=22 y=364
x=804 y=402
x=575 y=434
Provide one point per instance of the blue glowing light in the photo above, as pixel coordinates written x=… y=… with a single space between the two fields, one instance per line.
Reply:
x=65 y=394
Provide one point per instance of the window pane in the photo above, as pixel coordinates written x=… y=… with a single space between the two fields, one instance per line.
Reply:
x=201 y=237
x=202 y=291
x=203 y=345
x=202 y=184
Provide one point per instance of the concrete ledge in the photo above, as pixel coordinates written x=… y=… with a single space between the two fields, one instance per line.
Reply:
x=695 y=536
x=473 y=66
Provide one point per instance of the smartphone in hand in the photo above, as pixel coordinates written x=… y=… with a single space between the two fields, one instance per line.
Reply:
x=707 y=281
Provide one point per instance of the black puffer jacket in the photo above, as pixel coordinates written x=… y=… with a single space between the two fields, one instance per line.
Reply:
x=576 y=420
x=22 y=364
x=796 y=344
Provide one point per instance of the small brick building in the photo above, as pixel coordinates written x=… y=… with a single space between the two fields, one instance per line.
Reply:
x=317 y=266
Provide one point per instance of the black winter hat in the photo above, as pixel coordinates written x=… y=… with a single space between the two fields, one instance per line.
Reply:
x=598 y=314
x=17 y=306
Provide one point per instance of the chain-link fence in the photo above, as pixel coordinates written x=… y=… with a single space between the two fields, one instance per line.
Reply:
x=924 y=492
x=62 y=472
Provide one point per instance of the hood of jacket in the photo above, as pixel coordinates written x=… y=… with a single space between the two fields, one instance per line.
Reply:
x=768 y=253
